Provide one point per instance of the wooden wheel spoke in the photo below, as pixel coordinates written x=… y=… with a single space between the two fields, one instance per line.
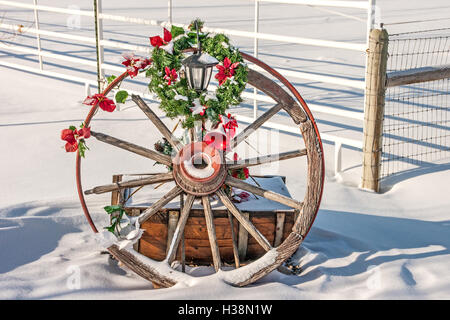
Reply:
x=237 y=262
x=270 y=195
x=157 y=122
x=163 y=177
x=265 y=159
x=149 y=212
x=156 y=156
x=172 y=252
x=211 y=232
x=243 y=220
x=255 y=125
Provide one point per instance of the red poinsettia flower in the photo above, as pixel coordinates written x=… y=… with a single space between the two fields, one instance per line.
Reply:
x=244 y=195
x=171 y=75
x=242 y=173
x=103 y=102
x=246 y=172
x=84 y=133
x=229 y=124
x=241 y=197
x=68 y=135
x=226 y=70
x=135 y=63
x=222 y=133
x=165 y=42
x=75 y=138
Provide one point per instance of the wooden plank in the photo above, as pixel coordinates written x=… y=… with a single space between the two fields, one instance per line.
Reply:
x=156 y=231
x=266 y=226
x=244 y=221
x=279 y=228
x=131 y=147
x=270 y=195
x=254 y=251
x=243 y=239
x=117 y=185
x=195 y=253
x=157 y=122
x=417 y=75
x=265 y=159
x=202 y=255
x=171 y=226
x=204 y=243
x=270 y=237
x=211 y=233
x=197 y=229
x=153 y=249
x=158 y=246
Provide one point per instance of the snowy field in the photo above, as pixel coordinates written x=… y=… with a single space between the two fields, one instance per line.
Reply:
x=393 y=245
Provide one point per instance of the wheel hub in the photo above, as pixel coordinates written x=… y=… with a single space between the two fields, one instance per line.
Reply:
x=199 y=169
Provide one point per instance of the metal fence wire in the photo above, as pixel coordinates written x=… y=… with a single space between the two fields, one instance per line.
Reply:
x=416 y=130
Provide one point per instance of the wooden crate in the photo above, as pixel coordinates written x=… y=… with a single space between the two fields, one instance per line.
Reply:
x=159 y=229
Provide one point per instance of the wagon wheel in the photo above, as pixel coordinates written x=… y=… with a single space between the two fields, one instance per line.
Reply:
x=161 y=272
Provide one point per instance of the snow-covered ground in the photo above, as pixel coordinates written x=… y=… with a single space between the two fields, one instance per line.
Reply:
x=362 y=245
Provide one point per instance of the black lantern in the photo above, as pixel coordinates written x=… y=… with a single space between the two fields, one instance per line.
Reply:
x=199 y=67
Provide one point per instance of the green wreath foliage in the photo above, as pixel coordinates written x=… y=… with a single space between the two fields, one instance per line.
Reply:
x=177 y=98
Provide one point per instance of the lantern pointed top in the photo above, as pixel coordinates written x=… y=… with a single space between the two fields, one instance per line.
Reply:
x=200 y=60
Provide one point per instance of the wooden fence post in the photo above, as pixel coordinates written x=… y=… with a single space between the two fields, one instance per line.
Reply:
x=374 y=108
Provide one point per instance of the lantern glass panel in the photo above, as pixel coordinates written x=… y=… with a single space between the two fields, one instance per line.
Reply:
x=188 y=76
x=198 y=77
x=208 y=71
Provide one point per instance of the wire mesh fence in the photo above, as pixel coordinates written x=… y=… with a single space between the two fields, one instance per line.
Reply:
x=416 y=130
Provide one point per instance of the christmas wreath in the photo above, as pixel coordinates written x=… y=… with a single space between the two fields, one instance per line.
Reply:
x=169 y=84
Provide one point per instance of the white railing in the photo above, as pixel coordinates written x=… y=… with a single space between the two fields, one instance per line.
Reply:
x=367 y=5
